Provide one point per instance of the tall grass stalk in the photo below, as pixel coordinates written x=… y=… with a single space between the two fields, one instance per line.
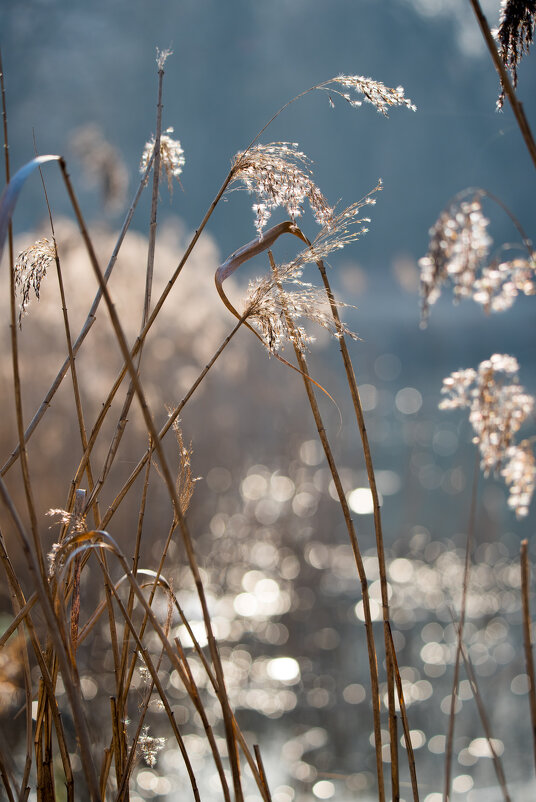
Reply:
x=373 y=664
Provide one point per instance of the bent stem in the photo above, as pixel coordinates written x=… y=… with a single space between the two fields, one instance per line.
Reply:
x=353 y=539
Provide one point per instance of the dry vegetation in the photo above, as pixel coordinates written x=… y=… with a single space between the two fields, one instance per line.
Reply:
x=127 y=669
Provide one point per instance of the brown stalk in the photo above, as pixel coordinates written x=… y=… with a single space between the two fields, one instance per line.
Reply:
x=240 y=737
x=191 y=687
x=16 y=594
x=115 y=748
x=229 y=730
x=149 y=616
x=405 y=723
x=18 y=602
x=17 y=390
x=91 y=317
x=23 y=611
x=128 y=761
x=105 y=771
x=389 y=647
x=167 y=426
x=154 y=674
x=353 y=541
x=485 y=724
x=124 y=687
x=527 y=637
x=121 y=425
x=6 y=780
x=506 y=84
x=459 y=647
x=262 y=771
x=67 y=326
x=69 y=674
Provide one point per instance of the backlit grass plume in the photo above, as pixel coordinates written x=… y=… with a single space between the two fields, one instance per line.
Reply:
x=278 y=174
x=515 y=35
x=498 y=407
x=172 y=158
x=458 y=254
x=374 y=92
x=459 y=243
x=269 y=299
x=30 y=269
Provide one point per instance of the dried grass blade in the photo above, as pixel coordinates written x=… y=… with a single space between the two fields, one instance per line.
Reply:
x=10 y=195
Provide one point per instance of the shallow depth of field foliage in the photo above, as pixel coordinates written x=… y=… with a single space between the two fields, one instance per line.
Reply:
x=202 y=598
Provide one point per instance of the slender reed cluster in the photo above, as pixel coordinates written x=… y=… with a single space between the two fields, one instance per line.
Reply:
x=30 y=269
x=279 y=175
x=498 y=407
x=515 y=35
x=172 y=158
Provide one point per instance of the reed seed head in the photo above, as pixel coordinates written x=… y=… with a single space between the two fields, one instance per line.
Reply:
x=515 y=35
x=30 y=269
x=172 y=158
x=269 y=300
x=459 y=243
x=76 y=525
x=149 y=747
x=279 y=175
x=380 y=96
x=185 y=483
x=500 y=284
x=498 y=407
x=162 y=56
x=519 y=473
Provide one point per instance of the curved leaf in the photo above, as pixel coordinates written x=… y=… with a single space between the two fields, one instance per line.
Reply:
x=11 y=193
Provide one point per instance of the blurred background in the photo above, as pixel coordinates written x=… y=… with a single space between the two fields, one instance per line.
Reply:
x=81 y=78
